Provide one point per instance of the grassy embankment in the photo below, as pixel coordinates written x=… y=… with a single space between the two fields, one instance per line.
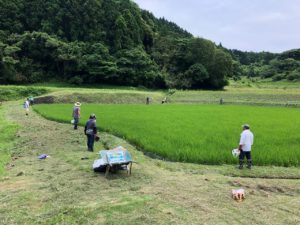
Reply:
x=62 y=93
x=261 y=92
x=7 y=131
x=10 y=92
x=8 y=128
x=247 y=93
x=241 y=92
x=203 y=134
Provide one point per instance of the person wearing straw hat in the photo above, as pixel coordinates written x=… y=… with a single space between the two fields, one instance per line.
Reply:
x=246 y=142
x=76 y=114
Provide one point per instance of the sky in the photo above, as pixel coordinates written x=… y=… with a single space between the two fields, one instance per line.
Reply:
x=248 y=25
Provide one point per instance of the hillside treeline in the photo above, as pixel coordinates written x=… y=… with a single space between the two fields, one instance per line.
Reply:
x=284 y=66
x=103 y=42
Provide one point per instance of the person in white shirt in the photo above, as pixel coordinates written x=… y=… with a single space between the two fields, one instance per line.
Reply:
x=245 y=145
x=26 y=106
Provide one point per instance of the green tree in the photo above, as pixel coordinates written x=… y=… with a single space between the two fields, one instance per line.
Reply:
x=100 y=66
x=136 y=68
x=120 y=36
x=220 y=70
x=195 y=76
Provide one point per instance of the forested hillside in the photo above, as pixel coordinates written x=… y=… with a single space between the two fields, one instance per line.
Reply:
x=284 y=66
x=115 y=42
x=103 y=42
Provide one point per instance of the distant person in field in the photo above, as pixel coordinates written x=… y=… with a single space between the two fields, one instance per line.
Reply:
x=147 y=100
x=90 y=130
x=246 y=142
x=76 y=114
x=221 y=101
x=26 y=107
x=31 y=100
x=164 y=100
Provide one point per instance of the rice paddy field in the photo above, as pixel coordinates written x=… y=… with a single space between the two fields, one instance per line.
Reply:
x=203 y=134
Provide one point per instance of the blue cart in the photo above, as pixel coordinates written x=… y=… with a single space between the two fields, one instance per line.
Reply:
x=112 y=160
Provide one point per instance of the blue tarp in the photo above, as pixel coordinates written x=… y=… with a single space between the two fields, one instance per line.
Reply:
x=115 y=156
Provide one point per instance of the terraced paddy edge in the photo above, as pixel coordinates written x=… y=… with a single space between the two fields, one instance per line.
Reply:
x=245 y=96
x=49 y=94
x=101 y=97
x=265 y=93
x=7 y=130
x=250 y=96
x=203 y=134
x=17 y=92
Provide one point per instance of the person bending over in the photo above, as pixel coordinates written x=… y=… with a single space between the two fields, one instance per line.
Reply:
x=90 y=130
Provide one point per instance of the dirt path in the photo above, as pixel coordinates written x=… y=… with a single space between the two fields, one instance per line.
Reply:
x=64 y=190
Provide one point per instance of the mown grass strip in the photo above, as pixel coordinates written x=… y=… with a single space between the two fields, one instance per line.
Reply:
x=7 y=131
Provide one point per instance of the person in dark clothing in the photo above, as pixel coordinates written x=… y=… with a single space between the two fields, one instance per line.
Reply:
x=147 y=100
x=90 y=130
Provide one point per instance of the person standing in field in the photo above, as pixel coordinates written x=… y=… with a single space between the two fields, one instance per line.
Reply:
x=26 y=106
x=246 y=142
x=31 y=100
x=90 y=130
x=76 y=114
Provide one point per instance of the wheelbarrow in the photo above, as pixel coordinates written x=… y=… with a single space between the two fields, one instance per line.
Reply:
x=113 y=160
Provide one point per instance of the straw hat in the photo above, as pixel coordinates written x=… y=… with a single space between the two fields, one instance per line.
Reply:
x=77 y=104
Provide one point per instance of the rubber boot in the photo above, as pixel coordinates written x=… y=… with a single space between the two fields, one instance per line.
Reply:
x=241 y=164
x=249 y=164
